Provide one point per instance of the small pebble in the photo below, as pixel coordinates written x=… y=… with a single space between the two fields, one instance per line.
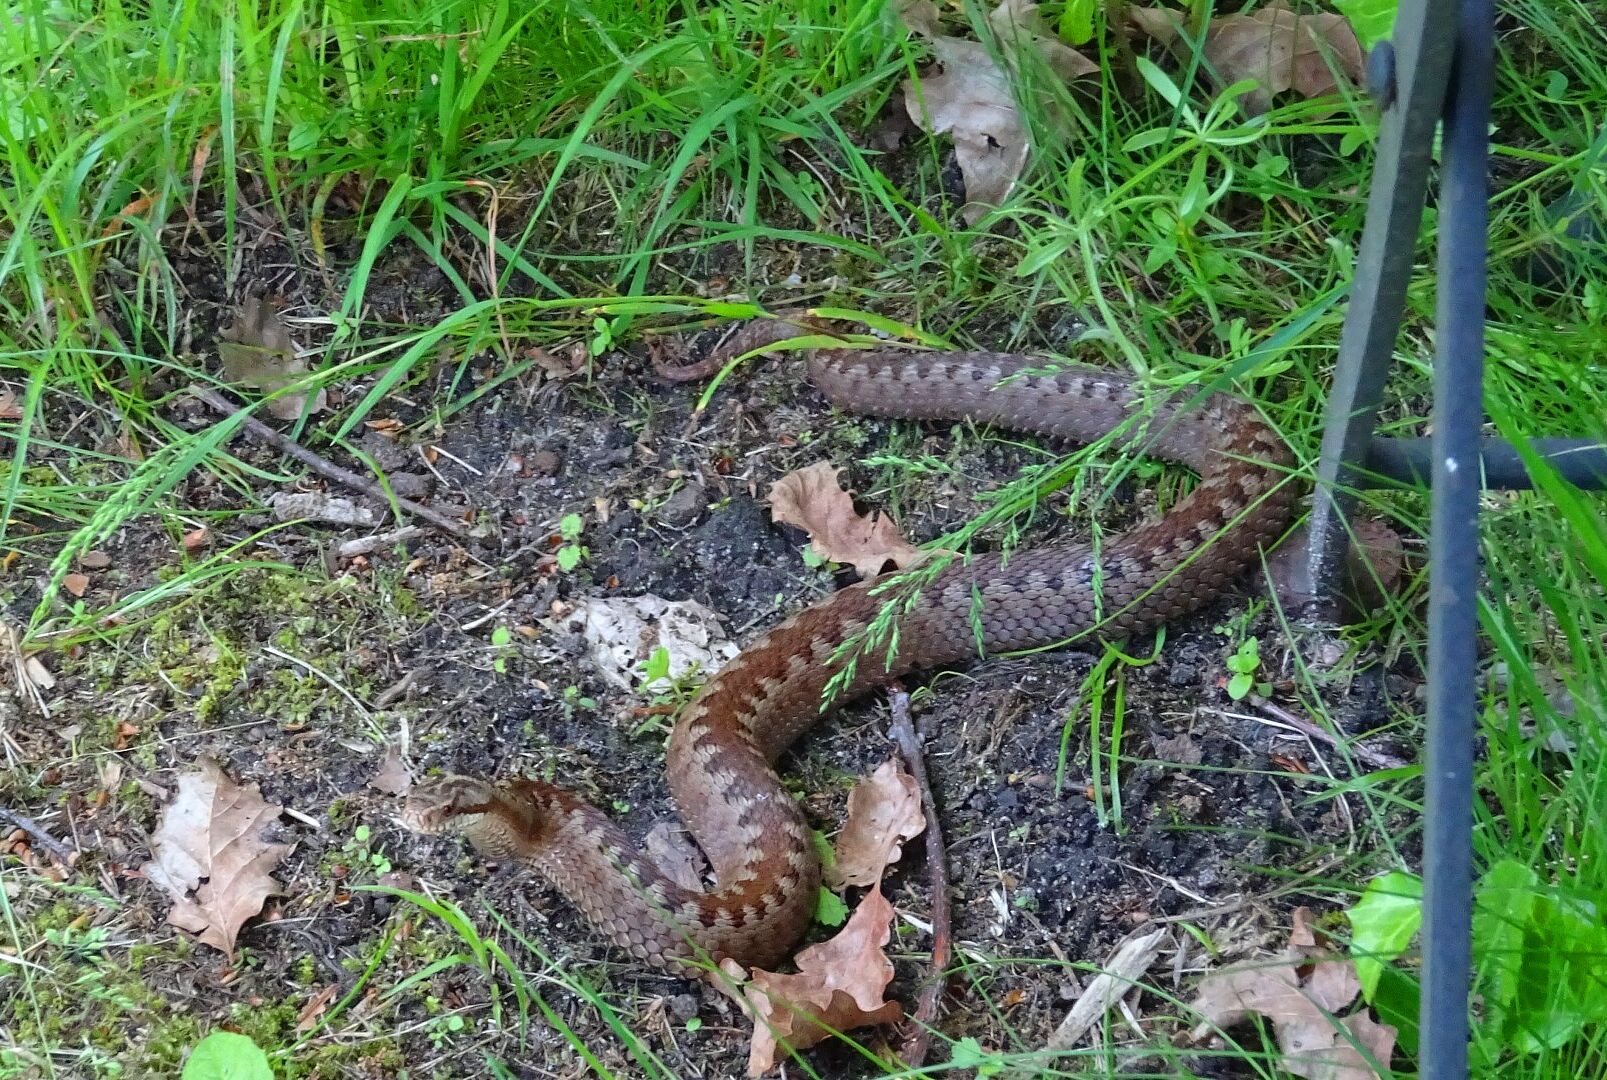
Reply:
x=386 y=452
x=1183 y=675
x=412 y=485
x=684 y=507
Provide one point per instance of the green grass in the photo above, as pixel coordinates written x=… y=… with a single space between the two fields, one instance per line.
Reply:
x=601 y=161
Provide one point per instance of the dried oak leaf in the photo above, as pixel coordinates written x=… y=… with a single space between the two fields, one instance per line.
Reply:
x=884 y=810
x=972 y=101
x=1301 y=994
x=1274 y=46
x=838 y=987
x=256 y=350
x=811 y=499
x=209 y=857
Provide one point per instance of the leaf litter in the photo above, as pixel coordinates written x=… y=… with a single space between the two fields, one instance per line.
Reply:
x=1300 y=993
x=970 y=97
x=884 y=810
x=838 y=987
x=812 y=499
x=1280 y=50
x=208 y=855
x=841 y=982
x=256 y=350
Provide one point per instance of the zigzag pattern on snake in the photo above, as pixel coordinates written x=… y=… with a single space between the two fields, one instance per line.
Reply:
x=723 y=747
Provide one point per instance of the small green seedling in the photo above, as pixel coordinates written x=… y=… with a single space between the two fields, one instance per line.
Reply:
x=358 y=851
x=571 y=553
x=501 y=641
x=604 y=335
x=1244 y=664
x=669 y=691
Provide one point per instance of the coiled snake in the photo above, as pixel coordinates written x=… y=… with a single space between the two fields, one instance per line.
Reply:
x=722 y=749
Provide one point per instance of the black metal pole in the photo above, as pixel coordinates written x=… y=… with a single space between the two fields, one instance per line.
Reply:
x=1408 y=77
x=1454 y=550
x=1580 y=462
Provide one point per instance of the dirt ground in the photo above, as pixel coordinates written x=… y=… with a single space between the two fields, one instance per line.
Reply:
x=289 y=675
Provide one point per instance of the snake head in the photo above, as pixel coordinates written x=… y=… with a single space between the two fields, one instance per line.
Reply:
x=450 y=804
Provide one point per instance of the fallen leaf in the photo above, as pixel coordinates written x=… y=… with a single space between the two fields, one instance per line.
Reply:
x=972 y=101
x=621 y=633
x=256 y=350
x=316 y=1006
x=884 y=809
x=673 y=851
x=75 y=583
x=1300 y=994
x=811 y=499
x=94 y=560
x=838 y=987
x=1277 y=48
x=388 y=426
x=391 y=776
x=9 y=409
x=196 y=539
x=208 y=856
x=1301 y=935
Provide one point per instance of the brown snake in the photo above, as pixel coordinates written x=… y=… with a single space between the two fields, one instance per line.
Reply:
x=721 y=753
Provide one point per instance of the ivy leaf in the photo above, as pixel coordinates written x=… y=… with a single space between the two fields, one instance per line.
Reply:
x=227 y=1055
x=1382 y=923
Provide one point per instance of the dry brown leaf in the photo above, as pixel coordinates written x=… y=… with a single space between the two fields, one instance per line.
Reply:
x=1301 y=935
x=316 y=1006
x=1301 y=994
x=9 y=409
x=840 y=983
x=1274 y=46
x=256 y=350
x=391 y=776
x=673 y=851
x=75 y=583
x=884 y=810
x=94 y=560
x=811 y=499
x=972 y=102
x=209 y=857
x=196 y=539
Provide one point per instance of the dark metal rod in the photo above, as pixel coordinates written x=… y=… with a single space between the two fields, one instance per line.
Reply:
x=1411 y=75
x=1581 y=462
x=1454 y=550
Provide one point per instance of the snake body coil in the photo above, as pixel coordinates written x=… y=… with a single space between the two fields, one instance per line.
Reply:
x=722 y=750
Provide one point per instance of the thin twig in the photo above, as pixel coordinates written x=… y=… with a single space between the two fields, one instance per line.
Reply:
x=58 y=850
x=915 y=1048
x=266 y=435
x=1378 y=759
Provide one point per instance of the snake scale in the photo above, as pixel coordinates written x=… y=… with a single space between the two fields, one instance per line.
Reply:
x=721 y=752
